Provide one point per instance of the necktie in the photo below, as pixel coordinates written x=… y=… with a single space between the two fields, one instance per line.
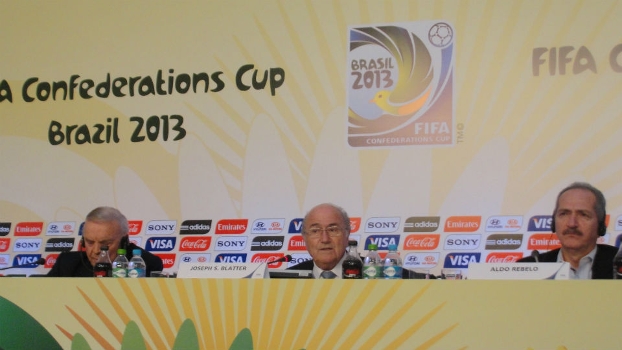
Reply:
x=327 y=275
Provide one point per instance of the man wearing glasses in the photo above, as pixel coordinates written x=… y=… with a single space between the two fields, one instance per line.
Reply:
x=325 y=230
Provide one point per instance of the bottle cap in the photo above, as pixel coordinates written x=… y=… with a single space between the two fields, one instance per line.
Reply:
x=352 y=243
x=105 y=247
x=120 y=251
x=136 y=252
x=392 y=247
x=372 y=246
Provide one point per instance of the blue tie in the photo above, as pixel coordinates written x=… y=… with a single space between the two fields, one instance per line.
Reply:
x=328 y=275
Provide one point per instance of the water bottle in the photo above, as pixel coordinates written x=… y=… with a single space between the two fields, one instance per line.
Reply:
x=372 y=265
x=136 y=267
x=392 y=264
x=617 y=265
x=103 y=267
x=352 y=267
x=119 y=265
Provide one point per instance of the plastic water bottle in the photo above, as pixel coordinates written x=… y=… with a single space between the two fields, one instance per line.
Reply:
x=392 y=264
x=136 y=267
x=352 y=267
x=617 y=265
x=119 y=265
x=372 y=265
x=103 y=267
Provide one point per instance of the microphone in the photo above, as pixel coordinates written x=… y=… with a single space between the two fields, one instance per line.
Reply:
x=41 y=261
x=286 y=258
x=536 y=255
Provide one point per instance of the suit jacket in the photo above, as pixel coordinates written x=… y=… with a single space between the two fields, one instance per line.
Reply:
x=406 y=274
x=602 y=266
x=76 y=264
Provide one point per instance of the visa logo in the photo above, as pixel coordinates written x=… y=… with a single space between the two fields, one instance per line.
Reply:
x=461 y=260
x=22 y=259
x=161 y=244
x=540 y=223
x=382 y=241
x=295 y=226
x=231 y=258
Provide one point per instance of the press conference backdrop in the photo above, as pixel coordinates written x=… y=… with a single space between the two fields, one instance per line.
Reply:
x=444 y=127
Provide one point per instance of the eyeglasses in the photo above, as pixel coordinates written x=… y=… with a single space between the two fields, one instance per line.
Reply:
x=332 y=231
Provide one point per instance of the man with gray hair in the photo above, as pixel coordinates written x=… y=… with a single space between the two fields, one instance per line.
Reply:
x=104 y=226
x=579 y=219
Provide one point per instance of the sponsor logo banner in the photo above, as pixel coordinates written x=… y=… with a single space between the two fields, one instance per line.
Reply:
x=4 y=244
x=195 y=258
x=5 y=260
x=461 y=260
x=50 y=260
x=161 y=244
x=543 y=241
x=266 y=258
x=298 y=258
x=28 y=228
x=510 y=223
x=59 y=244
x=268 y=226
x=61 y=228
x=230 y=243
x=195 y=244
x=400 y=84
x=5 y=228
x=231 y=258
x=422 y=224
x=168 y=260
x=425 y=260
x=295 y=226
x=498 y=257
x=507 y=241
x=428 y=241
x=161 y=227
x=27 y=244
x=462 y=242
x=296 y=243
x=382 y=241
x=382 y=225
x=135 y=226
x=355 y=224
x=21 y=259
x=540 y=223
x=137 y=241
x=267 y=243
x=195 y=227
x=231 y=226
x=462 y=223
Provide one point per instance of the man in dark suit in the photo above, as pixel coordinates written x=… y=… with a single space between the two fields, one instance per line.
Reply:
x=578 y=221
x=325 y=230
x=104 y=226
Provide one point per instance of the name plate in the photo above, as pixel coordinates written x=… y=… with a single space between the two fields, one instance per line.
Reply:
x=223 y=270
x=518 y=271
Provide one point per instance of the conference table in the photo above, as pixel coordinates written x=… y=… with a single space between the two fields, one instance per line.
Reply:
x=180 y=313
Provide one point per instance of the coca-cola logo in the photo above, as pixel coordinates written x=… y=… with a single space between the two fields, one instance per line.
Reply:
x=50 y=260
x=422 y=242
x=4 y=244
x=503 y=257
x=195 y=244
x=266 y=258
x=135 y=227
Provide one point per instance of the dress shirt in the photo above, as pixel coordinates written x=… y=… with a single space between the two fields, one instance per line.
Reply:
x=584 y=272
